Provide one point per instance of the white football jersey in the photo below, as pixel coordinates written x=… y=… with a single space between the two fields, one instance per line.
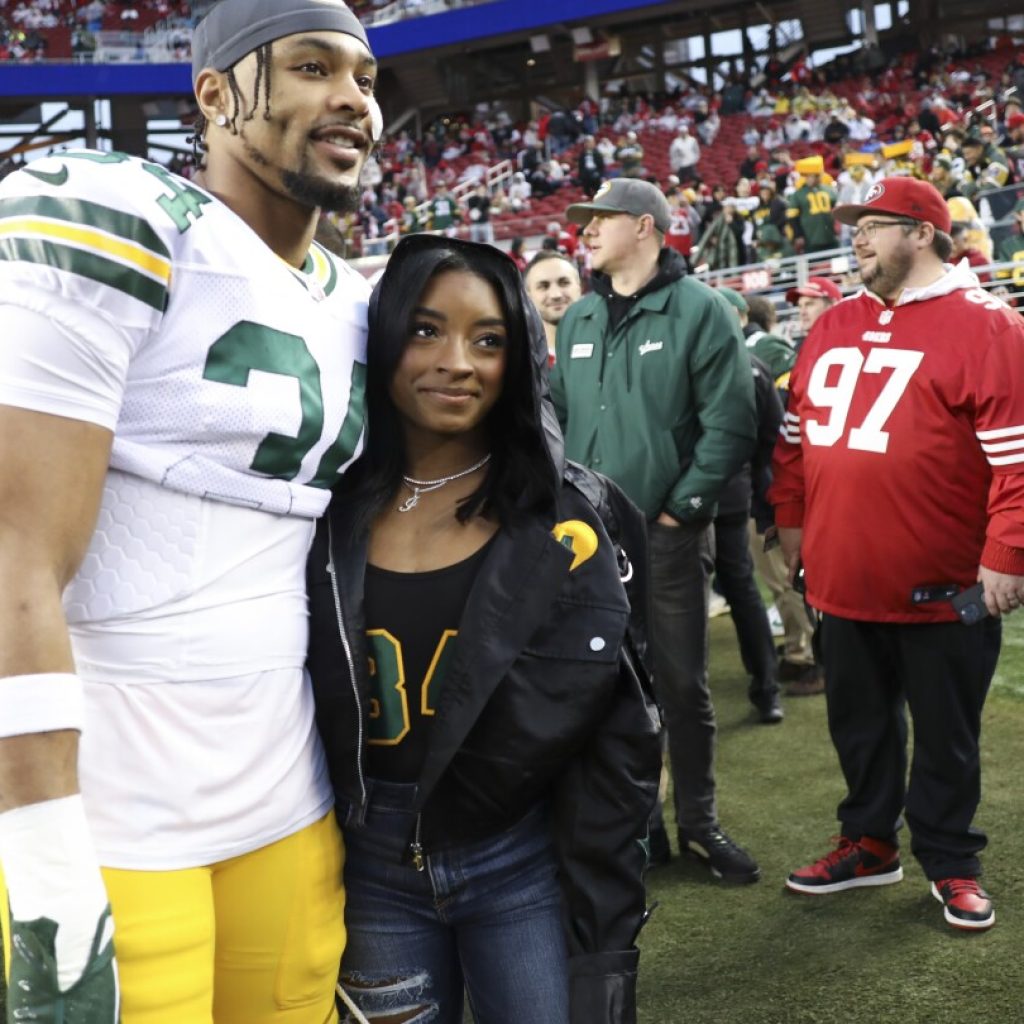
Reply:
x=234 y=385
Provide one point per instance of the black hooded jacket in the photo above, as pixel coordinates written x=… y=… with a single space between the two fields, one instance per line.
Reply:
x=546 y=700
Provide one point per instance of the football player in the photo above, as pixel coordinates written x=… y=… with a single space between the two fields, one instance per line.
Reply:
x=182 y=382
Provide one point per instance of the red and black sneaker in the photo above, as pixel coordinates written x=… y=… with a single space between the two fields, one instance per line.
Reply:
x=850 y=865
x=965 y=904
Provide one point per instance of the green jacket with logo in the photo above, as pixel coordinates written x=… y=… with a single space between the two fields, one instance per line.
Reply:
x=663 y=404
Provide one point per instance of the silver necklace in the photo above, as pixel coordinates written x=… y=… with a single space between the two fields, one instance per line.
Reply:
x=419 y=487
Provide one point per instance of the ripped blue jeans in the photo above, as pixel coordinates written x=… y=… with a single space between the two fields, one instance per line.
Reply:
x=484 y=917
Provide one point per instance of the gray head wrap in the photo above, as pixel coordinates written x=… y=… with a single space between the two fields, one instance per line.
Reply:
x=237 y=27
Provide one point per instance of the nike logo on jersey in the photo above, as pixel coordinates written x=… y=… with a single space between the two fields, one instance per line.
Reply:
x=55 y=178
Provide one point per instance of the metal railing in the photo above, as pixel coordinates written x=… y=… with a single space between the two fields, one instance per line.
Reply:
x=496 y=175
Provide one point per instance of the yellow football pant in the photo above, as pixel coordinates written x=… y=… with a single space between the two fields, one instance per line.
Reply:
x=252 y=940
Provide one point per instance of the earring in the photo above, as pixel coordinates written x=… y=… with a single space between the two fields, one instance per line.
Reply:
x=221 y=120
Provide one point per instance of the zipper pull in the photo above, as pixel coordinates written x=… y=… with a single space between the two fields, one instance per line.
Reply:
x=416 y=850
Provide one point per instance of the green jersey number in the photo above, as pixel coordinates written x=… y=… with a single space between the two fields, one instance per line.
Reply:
x=389 y=702
x=248 y=346
x=185 y=203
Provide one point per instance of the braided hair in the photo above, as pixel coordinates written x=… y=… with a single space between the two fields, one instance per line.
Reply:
x=263 y=69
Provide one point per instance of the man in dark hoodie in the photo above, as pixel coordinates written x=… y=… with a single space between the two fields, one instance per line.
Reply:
x=653 y=389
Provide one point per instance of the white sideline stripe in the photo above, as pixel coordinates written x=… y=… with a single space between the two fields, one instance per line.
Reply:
x=1006 y=460
x=991 y=435
x=1003 y=446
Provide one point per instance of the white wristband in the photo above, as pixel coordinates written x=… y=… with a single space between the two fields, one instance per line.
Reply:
x=46 y=702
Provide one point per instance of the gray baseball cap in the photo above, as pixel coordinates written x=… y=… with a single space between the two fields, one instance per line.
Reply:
x=625 y=195
x=237 y=27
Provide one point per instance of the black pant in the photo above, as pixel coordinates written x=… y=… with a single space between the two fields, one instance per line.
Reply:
x=942 y=671
x=681 y=560
x=734 y=573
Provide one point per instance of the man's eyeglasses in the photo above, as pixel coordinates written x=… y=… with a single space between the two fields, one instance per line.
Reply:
x=869 y=228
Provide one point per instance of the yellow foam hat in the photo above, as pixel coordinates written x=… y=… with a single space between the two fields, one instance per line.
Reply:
x=859 y=160
x=810 y=165
x=897 y=148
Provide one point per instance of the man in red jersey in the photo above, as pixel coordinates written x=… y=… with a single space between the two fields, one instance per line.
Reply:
x=899 y=480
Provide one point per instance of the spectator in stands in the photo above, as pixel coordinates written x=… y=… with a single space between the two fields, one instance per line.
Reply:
x=984 y=167
x=670 y=419
x=516 y=253
x=964 y=249
x=1010 y=247
x=478 y=213
x=553 y=284
x=563 y=131
x=629 y=155
x=835 y=131
x=372 y=219
x=558 y=239
x=734 y=567
x=443 y=211
x=590 y=169
x=859 y=501
x=519 y=192
x=708 y=127
x=797 y=128
x=684 y=155
x=721 y=246
x=812 y=299
x=410 y=221
x=557 y=174
x=684 y=230
x=943 y=177
x=771 y=208
x=752 y=162
x=854 y=184
x=810 y=208
x=1014 y=145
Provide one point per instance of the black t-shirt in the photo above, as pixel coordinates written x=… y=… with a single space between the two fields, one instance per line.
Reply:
x=412 y=622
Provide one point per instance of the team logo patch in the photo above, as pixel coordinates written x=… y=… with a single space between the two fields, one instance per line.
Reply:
x=579 y=538
x=875 y=192
x=605 y=188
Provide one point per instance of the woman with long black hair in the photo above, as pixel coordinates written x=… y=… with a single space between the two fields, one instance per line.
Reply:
x=481 y=694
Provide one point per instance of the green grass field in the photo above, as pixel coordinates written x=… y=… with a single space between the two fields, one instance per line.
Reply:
x=760 y=955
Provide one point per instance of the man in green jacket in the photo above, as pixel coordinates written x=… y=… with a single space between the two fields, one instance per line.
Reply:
x=653 y=389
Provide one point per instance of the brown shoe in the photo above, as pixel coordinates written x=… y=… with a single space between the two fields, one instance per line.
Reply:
x=791 y=671
x=811 y=682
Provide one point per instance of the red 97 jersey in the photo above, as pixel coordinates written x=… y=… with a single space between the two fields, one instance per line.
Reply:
x=902 y=451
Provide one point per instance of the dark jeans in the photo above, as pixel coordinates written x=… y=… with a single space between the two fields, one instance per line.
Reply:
x=942 y=671
x=734 y=573
x=682 y=558
x=486 y=916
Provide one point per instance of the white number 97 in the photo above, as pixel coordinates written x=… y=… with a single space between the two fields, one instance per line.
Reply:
x=870 y=435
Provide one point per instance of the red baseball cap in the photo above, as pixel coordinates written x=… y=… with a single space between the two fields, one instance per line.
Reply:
x=1015 y=121
x=815 y=288
x=902 y=197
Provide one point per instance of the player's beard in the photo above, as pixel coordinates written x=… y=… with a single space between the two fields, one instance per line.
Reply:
x=311 y=189
x=886 y=278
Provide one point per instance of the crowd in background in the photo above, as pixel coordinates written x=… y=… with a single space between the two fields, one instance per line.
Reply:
x=811 y=138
